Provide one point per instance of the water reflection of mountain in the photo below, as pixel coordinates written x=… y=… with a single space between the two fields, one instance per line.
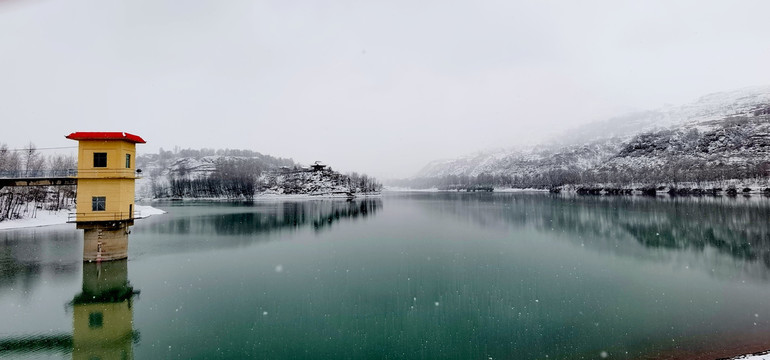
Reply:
x=722 y=233
x=194 y=227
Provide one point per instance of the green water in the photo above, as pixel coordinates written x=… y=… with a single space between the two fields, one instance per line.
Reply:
x=407 y=276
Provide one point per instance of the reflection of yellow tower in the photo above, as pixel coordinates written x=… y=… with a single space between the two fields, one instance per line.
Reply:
x=103 y=316
x=105 y=192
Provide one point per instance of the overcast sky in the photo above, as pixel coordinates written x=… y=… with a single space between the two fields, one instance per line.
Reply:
x=378 y=87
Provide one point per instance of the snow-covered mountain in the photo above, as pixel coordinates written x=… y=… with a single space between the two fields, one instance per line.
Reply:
x=525 y=161
x=707 y=108
x=738 y=143
x=721 y=128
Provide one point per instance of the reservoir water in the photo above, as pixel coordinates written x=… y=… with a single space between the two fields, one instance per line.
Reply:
x=405 y=276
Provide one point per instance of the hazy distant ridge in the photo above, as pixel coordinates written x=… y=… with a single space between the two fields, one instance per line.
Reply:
x=709 y=107
x=725 y=132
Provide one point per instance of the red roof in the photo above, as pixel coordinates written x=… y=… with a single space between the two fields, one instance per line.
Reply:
x=80 y=135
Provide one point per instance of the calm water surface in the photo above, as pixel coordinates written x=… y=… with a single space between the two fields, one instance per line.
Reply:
x=407 y=276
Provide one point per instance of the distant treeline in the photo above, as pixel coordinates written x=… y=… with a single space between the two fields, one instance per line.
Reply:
x=672 y=173
x=233 y=178
x=363 y=183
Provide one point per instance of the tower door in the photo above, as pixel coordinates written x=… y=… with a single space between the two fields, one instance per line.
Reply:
x=130 y=211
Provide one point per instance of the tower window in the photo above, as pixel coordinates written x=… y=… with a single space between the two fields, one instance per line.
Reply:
x=98 y=203
x=95 y=320
x=128 y=161
x=100 y=159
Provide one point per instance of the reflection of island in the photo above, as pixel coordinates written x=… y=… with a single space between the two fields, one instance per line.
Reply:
x=205 y=226
x=102 y=319
x=281 y=216
x=713 y=229
x=102 y=313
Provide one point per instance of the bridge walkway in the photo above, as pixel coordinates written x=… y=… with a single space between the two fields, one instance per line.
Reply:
x=38 y=178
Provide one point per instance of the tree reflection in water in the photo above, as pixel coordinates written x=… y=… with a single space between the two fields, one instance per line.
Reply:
x=723 y=232
x=239 y=219
x=222 y=225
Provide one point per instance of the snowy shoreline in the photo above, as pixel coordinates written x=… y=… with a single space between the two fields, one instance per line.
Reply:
x=49 y=218
x=311 y=197
x=396 y=189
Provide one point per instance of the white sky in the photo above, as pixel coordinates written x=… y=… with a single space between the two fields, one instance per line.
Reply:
x=377 y=87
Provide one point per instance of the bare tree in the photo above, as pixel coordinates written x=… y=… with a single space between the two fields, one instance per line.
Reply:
x=33 y=161
x=61 y=162
x=9 y=159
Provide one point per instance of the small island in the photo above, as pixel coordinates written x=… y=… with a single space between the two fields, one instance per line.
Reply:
x=243 y=175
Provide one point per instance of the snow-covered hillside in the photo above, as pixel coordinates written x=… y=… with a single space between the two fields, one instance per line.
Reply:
x=728 y=131
x=738 y=140
x=707 y=108
x=528 y=161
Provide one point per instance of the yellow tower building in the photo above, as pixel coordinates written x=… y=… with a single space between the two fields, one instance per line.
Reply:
x=105 y=192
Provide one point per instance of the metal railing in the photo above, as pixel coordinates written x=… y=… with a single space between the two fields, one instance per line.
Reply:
x=107 y=173
x=69 y=173
x=37 y=174
x=103 y=216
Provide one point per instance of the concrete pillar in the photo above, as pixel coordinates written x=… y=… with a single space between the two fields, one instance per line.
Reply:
x=105 y=242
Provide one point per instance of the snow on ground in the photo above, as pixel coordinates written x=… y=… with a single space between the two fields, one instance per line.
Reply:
x=757 y=356
x=43 y=218
x=147 y=211
x=47 y=218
